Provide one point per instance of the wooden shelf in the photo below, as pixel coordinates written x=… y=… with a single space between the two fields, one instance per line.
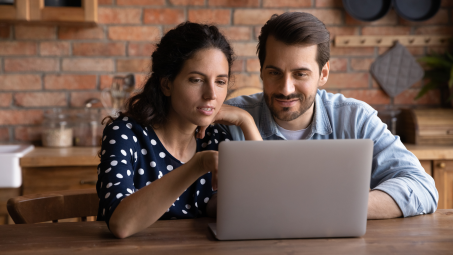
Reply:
x=387 y=41
x=34 y=12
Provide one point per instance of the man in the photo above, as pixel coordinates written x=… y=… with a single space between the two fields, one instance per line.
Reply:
x=294 y=53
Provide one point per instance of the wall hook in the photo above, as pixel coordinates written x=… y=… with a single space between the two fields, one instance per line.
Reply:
x=346 y=41
x=378 y=40
x=427 y=40
x=411 y=40
x=362 y=41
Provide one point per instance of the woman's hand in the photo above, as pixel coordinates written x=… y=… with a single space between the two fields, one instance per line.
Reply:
x=231 y=115
x=208 y=161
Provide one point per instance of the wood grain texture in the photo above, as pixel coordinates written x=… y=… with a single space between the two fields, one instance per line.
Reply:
x=426 y=234
x=443 y=175
x=47 y=179
x=431 y=152
x=72 y=156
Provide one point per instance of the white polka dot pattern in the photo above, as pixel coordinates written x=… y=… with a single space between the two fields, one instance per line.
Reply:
x=152 y=164
x=141 y=171
x=153 y=142
x=115 y=127
x=169 y=167
x=112 y=141
x=114 y=163
x=123 y=152
x=129 y=125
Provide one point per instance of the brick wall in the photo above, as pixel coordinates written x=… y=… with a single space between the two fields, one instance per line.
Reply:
x=56 y=66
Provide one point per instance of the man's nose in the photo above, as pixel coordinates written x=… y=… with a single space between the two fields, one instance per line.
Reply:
x=287 y=86
x=209 y=92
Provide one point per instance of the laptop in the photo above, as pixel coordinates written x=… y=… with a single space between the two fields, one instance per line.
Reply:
x=293 y=189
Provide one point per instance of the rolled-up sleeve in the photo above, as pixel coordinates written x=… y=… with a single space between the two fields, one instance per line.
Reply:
x=397 y=172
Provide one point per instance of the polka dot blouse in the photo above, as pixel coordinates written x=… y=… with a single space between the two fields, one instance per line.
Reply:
x=132 y=157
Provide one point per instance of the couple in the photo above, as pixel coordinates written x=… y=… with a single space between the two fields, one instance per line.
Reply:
x=159 y=158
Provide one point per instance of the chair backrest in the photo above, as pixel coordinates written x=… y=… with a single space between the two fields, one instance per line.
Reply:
x=244 y=91
x=53 y=206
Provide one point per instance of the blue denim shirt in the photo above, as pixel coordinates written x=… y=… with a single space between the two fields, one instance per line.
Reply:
x=395 y=170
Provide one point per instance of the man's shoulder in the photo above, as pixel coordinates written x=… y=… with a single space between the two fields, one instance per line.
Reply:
x=246 y=101
x=338 y=102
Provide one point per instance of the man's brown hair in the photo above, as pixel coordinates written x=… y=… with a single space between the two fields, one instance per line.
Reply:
x=294 y=28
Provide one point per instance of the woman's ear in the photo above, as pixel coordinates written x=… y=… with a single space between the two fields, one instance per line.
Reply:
x=165 y=86
x=324 y=74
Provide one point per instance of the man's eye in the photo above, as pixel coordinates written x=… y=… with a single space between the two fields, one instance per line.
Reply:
x=301 y=74
x=221 y=82
x=273 y=73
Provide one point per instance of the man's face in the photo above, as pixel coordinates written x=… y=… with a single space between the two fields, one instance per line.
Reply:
x=291 y=78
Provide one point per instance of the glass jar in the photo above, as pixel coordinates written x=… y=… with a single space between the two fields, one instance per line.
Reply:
x=88 y=128
x=57 y=130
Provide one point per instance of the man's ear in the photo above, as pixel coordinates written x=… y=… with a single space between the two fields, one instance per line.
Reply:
x=324 y=74
x=165 y=86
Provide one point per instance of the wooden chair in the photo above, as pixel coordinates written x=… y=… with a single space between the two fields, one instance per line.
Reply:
x=54 y=206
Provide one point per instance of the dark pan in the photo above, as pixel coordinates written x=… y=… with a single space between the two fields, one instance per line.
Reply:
x=416 y=10
x=367 y=10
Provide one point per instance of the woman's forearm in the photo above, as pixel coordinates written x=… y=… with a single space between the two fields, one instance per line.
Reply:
x=146 y=206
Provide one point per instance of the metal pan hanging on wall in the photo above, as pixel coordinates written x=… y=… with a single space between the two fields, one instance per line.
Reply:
x=416 y=10
x=367 y=10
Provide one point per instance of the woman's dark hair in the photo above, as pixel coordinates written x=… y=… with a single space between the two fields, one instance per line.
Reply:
x=150 y=106
x=294 y=28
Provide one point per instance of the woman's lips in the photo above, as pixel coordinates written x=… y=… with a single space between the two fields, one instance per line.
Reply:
x=206 y=110
x=286 y=103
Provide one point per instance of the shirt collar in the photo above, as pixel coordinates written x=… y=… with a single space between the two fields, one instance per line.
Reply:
x=320 y=124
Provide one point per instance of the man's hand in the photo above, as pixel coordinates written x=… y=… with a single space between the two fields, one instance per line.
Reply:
x=382 y=206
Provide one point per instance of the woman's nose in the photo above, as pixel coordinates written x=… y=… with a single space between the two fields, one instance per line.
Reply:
x=209 y=92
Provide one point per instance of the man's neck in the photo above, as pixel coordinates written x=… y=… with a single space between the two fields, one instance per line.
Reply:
x=302 y=122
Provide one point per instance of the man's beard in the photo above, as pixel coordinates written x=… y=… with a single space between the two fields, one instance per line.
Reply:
x=285 y=114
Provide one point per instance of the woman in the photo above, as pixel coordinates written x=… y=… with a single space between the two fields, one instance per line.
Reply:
x=151 y=161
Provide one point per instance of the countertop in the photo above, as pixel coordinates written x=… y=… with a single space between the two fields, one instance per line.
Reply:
x=87 y=156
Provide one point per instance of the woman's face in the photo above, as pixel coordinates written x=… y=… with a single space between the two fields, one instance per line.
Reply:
x=199 y=90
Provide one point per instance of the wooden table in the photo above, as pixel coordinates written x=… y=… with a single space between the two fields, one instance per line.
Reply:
x=426 y=234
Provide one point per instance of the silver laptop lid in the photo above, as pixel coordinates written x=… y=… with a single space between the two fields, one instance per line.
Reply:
x=293 y=189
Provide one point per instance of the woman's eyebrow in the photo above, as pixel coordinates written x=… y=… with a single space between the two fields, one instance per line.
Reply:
x=202 y=74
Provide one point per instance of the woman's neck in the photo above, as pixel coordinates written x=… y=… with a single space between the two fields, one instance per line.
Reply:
x=178 y=138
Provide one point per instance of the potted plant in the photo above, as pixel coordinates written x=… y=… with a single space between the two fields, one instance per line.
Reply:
x=439 y=76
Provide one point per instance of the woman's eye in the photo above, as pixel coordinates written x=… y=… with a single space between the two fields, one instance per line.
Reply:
x=196 y=80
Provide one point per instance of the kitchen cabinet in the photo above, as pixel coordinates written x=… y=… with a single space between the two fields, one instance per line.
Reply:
x=35 y=12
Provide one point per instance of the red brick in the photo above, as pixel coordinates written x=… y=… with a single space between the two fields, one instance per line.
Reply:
x=334 y=31
x=134 y=33
x=369 y=96
x=187 y=2
x=133 y=65
x=88 y=64
x=407 y=97
x=347 y=80
x=140 y=80
x=141 y=49
x=244 y=49
x=4 y=134
x=434 y=30
x=238 y=65
x=80 y=33
x=119 y=15
x=328 y=3
x=287 y=3
x=236 y=33
x=387 y=30
x=361 y=64
x=78 y=99
x=28 y=134
x=338 y=64
x=257 y=32
x=98 y=49
x=105 y=2
x=163 y=16
x=327 y=16
x=234 y=3
x=31 y=64
x=19 y=82
x=253 y=16
x=18 y=117
x=351 y=51
x=390 y=19
x=140 y=2
x=245 y=80
x=214 y=16
x=69 y=81
x=253 y=65
x=441 y=17
x=4 y=31
x=54 y=48
x=416 y=51
x=40 y=99
x=34 y=32
x=10 y=48
x=6 y=99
